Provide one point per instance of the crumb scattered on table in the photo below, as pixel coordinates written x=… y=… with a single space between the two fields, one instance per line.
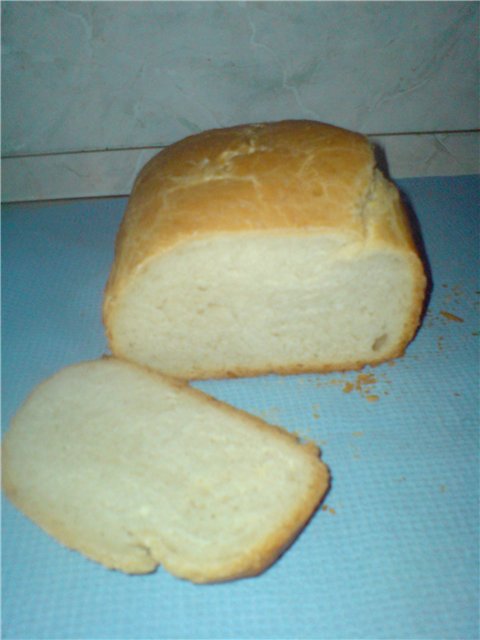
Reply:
x=451 y=316
x=331 y=510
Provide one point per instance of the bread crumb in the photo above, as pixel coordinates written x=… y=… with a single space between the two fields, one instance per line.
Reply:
x=451 y=316
x=357 y=434
x=316 y=411
x=363 y=383
x=331 y=510
x=443 y=488
x=365 y=379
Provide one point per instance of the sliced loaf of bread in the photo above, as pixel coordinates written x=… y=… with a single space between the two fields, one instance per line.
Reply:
x=135 y=470
x=274 y=247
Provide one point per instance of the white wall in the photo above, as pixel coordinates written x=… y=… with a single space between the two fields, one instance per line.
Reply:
x=90 y=90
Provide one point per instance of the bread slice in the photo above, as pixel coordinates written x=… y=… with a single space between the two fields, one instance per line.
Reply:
x=275 y=247
x=135 y=470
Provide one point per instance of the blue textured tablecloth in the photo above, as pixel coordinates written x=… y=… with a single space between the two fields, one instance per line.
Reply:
x=393 y=553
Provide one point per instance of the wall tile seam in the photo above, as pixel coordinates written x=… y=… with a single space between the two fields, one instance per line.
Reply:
x=159 y=147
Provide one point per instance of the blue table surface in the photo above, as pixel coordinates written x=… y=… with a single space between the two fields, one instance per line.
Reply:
x=393 y=553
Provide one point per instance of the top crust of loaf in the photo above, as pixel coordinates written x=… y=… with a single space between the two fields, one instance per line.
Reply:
x=293 y=177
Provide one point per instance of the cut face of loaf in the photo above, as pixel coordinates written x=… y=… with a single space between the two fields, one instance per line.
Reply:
x=135 y=470
x=263 y=248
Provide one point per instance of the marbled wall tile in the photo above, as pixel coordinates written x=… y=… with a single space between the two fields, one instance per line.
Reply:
x=112 y=75
x=440 y=154
x=72 y=175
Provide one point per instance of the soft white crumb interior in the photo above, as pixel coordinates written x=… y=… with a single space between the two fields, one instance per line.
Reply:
x=254 y=300
x=133 y=466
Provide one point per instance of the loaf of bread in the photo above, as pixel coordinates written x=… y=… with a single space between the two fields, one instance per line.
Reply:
x=135 y=470
x=274 y=247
